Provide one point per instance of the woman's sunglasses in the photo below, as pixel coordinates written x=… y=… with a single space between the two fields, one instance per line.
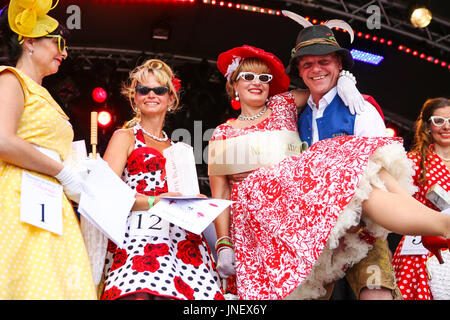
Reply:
x=250 y=76
x=439 y=121
x=144 y=90
x=61 y=41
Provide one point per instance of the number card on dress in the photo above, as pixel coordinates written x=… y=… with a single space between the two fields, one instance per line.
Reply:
x=189 y=214
x=146 y=224
x=412 y=245
x=41 y=203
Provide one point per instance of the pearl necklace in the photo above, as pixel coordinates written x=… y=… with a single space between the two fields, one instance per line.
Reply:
x=165 y=138
x=245 y=118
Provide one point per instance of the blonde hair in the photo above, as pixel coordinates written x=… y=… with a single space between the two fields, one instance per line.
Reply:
x=162 y=73
x=248 y=65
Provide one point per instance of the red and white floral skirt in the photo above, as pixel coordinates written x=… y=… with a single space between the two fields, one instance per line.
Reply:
x=289 y=218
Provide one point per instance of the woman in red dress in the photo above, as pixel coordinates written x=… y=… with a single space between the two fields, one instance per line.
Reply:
x=431 y=157
x=290 y=226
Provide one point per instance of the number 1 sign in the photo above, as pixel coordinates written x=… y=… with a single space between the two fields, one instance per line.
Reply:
x=41 y=203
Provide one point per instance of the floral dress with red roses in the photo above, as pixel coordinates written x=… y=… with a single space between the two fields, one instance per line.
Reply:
x=411 y=270
x=177 y=265
x=289 y=221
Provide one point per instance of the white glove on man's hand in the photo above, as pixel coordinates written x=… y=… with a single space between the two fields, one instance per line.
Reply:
x=226 y=261
x=72 y=183
x=346 y=88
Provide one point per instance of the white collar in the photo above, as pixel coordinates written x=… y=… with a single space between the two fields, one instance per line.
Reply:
x=326 y=99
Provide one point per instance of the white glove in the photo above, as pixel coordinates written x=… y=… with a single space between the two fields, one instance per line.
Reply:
x=72 y=183
x=91 y=163
x=346 y=88
x=226 y=261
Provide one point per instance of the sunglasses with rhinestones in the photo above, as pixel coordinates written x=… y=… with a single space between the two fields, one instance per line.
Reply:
x=144 y=90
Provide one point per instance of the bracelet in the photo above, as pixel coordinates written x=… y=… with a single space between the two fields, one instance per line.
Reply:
x=224 y=237
x=223 y=243
x=222 y=248
x=151 y=201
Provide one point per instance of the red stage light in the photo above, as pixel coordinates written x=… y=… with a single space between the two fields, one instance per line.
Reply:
x=367 y=36
x=389 y=42
x=104 y=118
x=408 y=50
x=415 y=53
x=99 y=95
x=443 y=63
x=400 y=47
x=422 y=55
x=374 y=38
x=359 y=34
x=382 y=40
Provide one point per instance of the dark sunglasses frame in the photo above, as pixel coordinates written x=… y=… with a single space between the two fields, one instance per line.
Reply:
x=144 y=90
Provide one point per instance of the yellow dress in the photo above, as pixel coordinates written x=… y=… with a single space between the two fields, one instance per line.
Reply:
x=35 y=263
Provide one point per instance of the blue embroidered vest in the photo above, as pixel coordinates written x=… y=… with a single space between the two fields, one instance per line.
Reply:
x=336 y=121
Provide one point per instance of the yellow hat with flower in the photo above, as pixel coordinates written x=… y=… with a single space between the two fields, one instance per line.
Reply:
x=28 y=18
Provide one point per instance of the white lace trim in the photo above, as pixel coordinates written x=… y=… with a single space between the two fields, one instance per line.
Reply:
x=439 y=276
x=96 y=245
x=329 y=266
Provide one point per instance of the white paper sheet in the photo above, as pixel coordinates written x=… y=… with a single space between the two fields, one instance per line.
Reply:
x=107 y=201
x=193 y=215
x=180 y=169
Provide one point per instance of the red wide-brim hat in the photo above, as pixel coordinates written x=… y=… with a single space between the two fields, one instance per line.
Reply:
x=280 y=82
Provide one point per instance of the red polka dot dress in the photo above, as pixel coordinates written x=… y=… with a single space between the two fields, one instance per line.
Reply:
x=410 y=270
x=177 y=265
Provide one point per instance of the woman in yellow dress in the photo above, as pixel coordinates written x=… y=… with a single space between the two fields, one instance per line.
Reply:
x=35 y=137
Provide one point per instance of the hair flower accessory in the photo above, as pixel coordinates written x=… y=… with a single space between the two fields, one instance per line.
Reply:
x=28 y=18
x=232 y=67
x=176 y=83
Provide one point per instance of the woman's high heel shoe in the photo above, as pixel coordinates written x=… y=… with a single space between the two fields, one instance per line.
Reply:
x=434 y=244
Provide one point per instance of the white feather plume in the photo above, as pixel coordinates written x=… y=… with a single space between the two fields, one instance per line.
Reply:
x=299 y=19
x=343 y=25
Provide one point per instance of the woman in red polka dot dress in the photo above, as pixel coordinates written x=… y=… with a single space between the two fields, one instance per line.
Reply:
x=166 y=262
x=433 y=145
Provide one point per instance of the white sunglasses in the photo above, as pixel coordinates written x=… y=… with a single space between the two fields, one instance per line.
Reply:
x=250 y=76
x=439 y=121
